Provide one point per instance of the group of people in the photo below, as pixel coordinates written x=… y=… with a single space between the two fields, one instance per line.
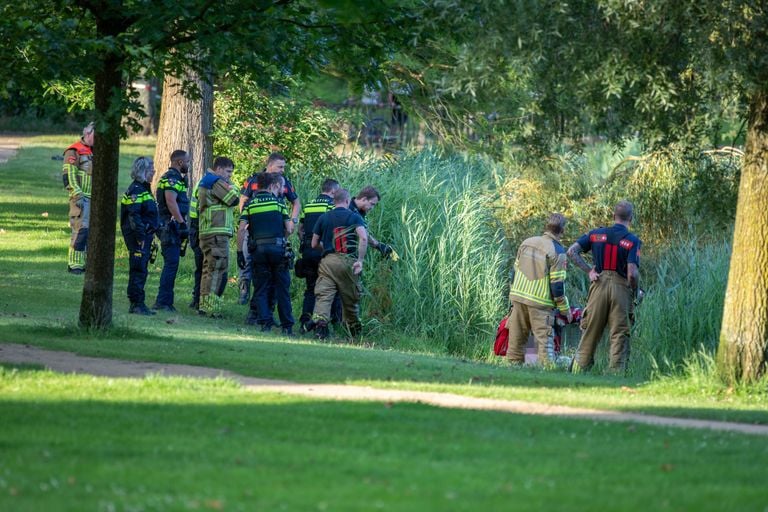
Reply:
x=332 y=232
x=334 y=239
x=537 y=292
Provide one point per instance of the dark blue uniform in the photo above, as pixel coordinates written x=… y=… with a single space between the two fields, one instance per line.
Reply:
x=170 y=232
x=612 y=248
x=138 y=223
x=266 y=217
x=311 y=257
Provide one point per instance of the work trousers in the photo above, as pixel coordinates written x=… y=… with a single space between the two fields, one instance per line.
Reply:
x=215 y=250
x=335 y=276
x=79 y=221
x=525 y=319
x=609 y=302
x=244 y=275
x=311 y=262
x=138 y=261
x=269 y=271
x=194 y=243
x=170 y=247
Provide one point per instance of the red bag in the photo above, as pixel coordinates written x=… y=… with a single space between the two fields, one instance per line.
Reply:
x=502 y=338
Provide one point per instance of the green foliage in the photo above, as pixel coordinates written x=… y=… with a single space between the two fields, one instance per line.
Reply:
x=250 y=124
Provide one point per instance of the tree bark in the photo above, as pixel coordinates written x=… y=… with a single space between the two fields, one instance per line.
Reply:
x=96 y=303
x=185 y=123
x=743 y=336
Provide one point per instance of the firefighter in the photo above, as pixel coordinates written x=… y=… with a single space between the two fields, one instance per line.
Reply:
x=538 y=292
x=76 y=175
x=364 y=202
x=216 y=200
x=266 y=221
x=173 y=206
x=341 y=237
x=614 y=278
x=275 y=164
x=138 y=223
x=310 y=258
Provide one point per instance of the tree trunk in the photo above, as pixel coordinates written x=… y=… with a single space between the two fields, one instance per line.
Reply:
x=185 y=124
x=743 y=336
x=96 y=303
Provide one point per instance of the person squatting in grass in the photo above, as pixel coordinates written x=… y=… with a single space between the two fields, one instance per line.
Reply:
x=275 y=164
x=138 y=223
x=307 y=266
x=266 y=221
x=216 y=200
x=76 y=176
x=366 y=200
x=537 y=289
x=613 y=285
x=342 y=237
x=173 y=206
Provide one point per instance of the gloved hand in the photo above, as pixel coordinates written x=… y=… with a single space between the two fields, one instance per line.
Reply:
x=241 y=260
x=385 y=250
x=183 y=231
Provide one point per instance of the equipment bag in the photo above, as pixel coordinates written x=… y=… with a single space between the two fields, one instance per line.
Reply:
x=502 y=336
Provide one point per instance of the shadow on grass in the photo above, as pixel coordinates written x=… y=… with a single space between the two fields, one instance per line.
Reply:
x=152 y=443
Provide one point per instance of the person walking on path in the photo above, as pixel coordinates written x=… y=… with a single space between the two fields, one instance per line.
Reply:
x=538 y=292
x=614 y=278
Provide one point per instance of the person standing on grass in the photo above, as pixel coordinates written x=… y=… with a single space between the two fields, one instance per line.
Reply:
x=275 y=164
x=614 y=283
x=173 y=205
x=341 y=237
x=76 y=175
x=310 y=258
x=266 y=221
x=216 y=200
x=138 y=223
x=537 y=292
x=366 y=200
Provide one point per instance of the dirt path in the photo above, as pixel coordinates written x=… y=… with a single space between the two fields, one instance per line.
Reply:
x=9 y=146
x=67 y=362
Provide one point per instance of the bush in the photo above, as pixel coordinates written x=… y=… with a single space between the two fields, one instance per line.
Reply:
x=251 y=124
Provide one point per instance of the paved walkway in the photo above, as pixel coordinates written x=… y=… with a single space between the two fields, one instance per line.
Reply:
x=9 y=146
x=67 y=362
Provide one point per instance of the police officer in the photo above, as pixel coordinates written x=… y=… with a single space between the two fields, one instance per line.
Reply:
x=266 y=221
x=76 y=175
x=138 y=223
x=310 y=258
x=614 y=282
x=173 y=205
x=341 y=236
x=275 y=164
x=366 y=199
x=537 y=289
x=216 y=200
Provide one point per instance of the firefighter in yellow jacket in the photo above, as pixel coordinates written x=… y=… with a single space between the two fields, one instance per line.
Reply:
x=216 y=201
x=76 y=174
x=538 y=289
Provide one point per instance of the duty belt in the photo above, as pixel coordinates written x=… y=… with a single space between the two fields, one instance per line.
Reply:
x=269 y=241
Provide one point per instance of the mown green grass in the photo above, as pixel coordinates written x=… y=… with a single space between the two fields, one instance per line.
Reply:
x=39 y=303
x=86 y=443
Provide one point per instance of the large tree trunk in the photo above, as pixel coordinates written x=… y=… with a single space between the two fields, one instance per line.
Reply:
x=96 y=303
x=744 y=334
x=185 y=124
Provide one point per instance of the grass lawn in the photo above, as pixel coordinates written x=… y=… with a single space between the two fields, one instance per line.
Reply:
x=87 y=443
x=39 y=303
